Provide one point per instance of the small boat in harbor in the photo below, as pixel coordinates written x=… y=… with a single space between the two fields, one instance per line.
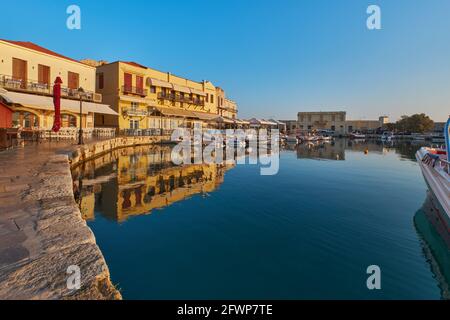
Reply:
x=357 y=135
x=308 y=138
x=325 y=138
x=435 y=166
x=291 y=140
x=387 y=136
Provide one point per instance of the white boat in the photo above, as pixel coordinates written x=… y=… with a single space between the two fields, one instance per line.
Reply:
x=291 y=140
x=357 y=135
x=308 y=138
x=387 y=136
x=435 y=166
x=326 y=138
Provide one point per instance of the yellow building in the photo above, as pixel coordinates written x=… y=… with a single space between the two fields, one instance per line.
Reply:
x=322 y=120
x=27 y=74
x=226 y=108
x=146 y=98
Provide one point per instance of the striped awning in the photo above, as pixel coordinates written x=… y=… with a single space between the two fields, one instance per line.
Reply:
x=221 y=119
x=205 y=116
x=46 y=103
x=200 y=93
x=174 y=112
x=179 y=88
x=160 y=83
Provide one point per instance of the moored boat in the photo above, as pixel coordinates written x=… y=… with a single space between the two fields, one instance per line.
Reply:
x=435 y=166
x=291 y=140
x=387 y=136
x=357 y=135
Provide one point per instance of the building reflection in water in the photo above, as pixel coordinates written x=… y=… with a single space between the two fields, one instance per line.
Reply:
x=336 y=149
x=435 y=236
x=135 y=181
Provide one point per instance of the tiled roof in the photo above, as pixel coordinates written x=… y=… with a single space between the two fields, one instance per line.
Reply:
x=134 y=64
x=33 y=46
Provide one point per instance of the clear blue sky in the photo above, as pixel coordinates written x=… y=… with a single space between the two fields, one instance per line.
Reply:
x=274 y=58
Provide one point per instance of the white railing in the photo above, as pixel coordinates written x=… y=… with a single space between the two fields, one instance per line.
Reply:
x=72 y=133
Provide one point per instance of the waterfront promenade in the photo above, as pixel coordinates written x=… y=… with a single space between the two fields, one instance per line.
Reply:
x=42 y=232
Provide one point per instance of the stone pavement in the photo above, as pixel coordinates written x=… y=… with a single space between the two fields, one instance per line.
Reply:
x=41 y=229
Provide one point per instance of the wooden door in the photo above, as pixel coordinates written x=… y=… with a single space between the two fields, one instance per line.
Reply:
x=20 y=71
x=139 y=84
x=43 y=74
x=73 y=80
x=128 y=82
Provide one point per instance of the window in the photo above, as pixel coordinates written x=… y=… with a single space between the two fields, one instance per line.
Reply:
x=134 y=106
x=152 y=89
x=139 y=85
x=154 y=123
x=101 y=80
x=333 y=128
x=207 y=97
x=68 y=120
x=134 y=124
x=333 y=118
x=212 y=98
x=20 y=71
x=128 y=81
x=73 y=80
x=43 y=74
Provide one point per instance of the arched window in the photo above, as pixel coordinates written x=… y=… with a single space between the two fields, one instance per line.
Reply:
x=25 y=119
x=68 y=120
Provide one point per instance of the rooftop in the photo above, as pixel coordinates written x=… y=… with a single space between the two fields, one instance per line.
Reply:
x=35 y=47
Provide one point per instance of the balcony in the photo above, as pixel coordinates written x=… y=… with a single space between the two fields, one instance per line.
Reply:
x=135 y=112
x=228 y=108
x=29 y=86
x=178 y=98
x=134 y=90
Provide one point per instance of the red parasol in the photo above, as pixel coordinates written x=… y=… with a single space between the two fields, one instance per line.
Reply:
x=57 y=104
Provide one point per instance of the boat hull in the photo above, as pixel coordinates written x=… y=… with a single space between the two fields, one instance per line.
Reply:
x=439 y=186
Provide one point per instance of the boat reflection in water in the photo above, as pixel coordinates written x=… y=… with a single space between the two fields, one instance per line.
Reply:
x=336 y=149
x=333 y=150
x=135 y=181
x=435 y=235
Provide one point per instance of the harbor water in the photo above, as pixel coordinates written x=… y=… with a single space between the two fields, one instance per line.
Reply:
x=226 y=232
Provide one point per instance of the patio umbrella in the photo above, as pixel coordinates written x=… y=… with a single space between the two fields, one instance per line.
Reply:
x=57 y=104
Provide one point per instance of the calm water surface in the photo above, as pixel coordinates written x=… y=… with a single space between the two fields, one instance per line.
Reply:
x=226 y=232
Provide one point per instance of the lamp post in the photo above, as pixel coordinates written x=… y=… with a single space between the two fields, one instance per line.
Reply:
x=80 y=133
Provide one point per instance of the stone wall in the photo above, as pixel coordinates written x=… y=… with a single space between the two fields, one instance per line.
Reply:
x=42 y=232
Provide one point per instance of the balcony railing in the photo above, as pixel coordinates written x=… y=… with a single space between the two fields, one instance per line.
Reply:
x=134 y=90
x=135 y=112
x=178 y=98
x=30 y=86
x=145 y=132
